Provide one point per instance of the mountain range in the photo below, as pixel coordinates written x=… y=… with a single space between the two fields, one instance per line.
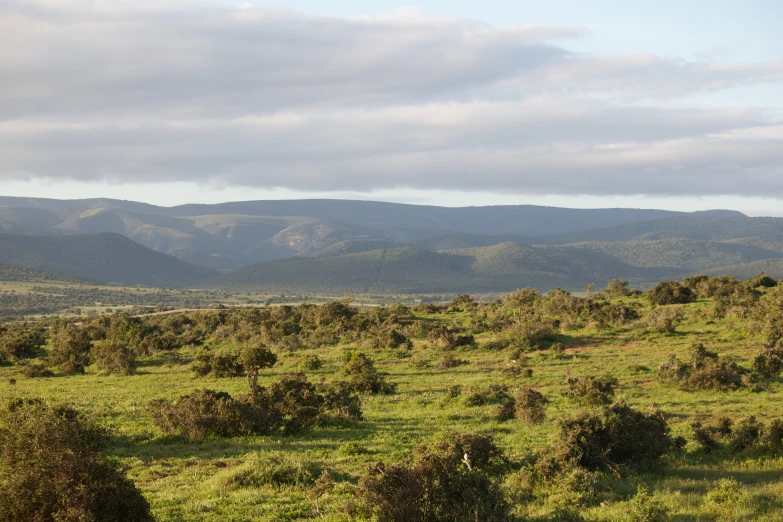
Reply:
x=336 y=246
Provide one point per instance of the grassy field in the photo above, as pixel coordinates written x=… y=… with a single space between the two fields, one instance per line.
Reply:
x=191 y=481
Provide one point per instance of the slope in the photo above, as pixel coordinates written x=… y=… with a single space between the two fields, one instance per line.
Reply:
x=99 y=257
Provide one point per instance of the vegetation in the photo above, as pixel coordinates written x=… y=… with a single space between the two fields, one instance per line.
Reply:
x=533 y=406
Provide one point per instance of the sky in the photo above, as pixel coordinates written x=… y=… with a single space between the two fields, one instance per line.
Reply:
x=666 y=104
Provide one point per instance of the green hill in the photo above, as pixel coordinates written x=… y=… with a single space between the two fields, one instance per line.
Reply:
x=20 y=273
x=413 y=270
x=110 y=258
x=683 y=254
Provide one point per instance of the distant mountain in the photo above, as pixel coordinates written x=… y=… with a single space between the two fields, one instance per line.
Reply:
x=693 y=226
x=500 y=267
x=683 y=254
x=104 y=257
x=227 y=235
x=374 y=246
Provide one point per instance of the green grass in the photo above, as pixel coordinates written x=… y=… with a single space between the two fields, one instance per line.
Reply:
x=187 y=480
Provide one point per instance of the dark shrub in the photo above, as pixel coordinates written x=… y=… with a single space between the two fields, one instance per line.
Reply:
x=617 y=434
x=292 y=404
x=490 y=394
x=736 y=437
x=450 y=361
x=20 y=342
x=705 y=371
x=52 y=467
x=217 y=364
x=670 y=292
x=439 y=486
x=114 y=357
x=591 y=391
x=762 y=280
x=363 y=377
x=200 y=414
x=530 y=406
x=617 y=288
x=70 y=347
x=36 y=370
x=312 y=363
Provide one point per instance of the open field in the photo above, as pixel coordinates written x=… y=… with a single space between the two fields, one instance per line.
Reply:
x=186 y=480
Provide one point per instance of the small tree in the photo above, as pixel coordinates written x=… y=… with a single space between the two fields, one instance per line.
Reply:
x=254 y=358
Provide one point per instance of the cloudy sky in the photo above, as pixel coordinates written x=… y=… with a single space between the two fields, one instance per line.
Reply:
x=664 y=104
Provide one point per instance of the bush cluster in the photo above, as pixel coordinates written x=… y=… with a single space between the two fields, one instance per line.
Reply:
x=53 y=467
x=735 y=437
x=447 y=481
x=591 y=391
x=290 y=405
x=705 y=371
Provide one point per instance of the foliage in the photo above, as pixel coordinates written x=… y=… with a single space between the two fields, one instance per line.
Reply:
x=363 y=377
x=70 y=347
x=670 y=292
x=445 y=482
x=614 y=435
x=53 y=467
x=591 y=391
x=530 y=406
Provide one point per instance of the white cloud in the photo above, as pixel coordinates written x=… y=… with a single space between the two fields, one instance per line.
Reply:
x=195 y=91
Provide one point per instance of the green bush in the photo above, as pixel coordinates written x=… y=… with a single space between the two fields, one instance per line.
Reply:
x=201 y=414
x=591 y=391
x=36 y=370
x=615 y=435
x=440 y=485
x=53 y=467
x=270 y=469
x=670 y=292
x=363 y=377
x=114 y=357
x=530 y=406
x=217 y=364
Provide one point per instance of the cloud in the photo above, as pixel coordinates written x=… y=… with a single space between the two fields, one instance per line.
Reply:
x=196 y=91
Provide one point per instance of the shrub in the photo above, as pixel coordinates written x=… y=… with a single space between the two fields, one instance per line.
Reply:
x=200 y=414
x=736 y=437
x=530 y=406
x=449 y=360
x=53 y=467
x=617 y=288
x=440 y=485
x=70 y=347
x=705 y=371
x=363 y=377
x=663 y=319
x=615 y=435
x=643 y=508
x=762 y=280
x=217 y=364
x=312 y=363
x=292 y=404
x=113 y=357
x=20 y=342
x=35 y=370
x=270 y=469
x=670 y=292
x=490 y=394
x=591 y=391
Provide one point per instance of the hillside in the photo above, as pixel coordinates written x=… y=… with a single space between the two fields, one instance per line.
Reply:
x=20 y=273
x=227 y=235
x=413 y=270
x=104 y=257
x=683 y=254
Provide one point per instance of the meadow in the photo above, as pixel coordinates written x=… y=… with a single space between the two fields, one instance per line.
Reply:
x=196 y=480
